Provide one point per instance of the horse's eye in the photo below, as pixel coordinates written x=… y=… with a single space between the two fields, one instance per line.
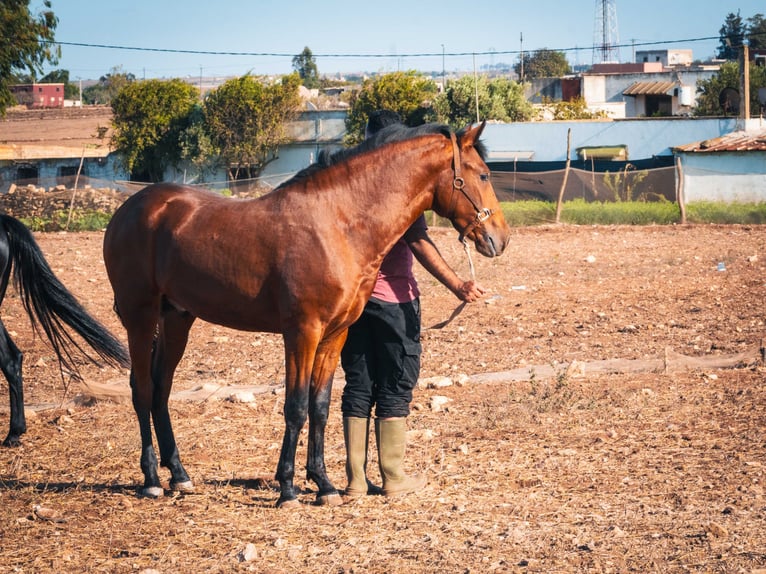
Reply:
x=484 y=177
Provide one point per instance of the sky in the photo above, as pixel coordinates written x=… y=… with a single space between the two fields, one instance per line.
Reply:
x=180 y=38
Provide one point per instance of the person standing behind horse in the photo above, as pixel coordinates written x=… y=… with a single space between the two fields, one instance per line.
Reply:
x=381 y=356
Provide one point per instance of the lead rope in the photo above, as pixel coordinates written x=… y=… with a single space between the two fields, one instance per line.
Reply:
x=467 y=250
x=457 y=185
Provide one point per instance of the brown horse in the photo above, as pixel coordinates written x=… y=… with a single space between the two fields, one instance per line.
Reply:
x=300 y=261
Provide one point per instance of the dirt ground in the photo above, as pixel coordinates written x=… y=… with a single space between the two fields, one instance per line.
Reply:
x=569 y=439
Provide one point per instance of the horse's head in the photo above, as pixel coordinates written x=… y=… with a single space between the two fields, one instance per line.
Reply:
x=468 y=198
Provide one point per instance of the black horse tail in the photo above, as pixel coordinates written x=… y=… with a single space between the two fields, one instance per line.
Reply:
x=52 y=308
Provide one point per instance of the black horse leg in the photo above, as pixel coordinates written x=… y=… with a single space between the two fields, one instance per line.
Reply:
x=152 y=486
x=325 y=363
x=319 y=406
x=10 y=362
x=170 y=346
x=295 y=417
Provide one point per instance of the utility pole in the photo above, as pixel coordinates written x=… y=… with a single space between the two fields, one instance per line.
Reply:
x=744 y=81
x=444 y=76
x=521 y=56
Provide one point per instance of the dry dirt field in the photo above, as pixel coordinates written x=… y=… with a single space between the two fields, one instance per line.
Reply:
x=575 y=438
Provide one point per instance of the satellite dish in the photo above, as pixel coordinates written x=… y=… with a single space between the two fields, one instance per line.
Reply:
x=729 y=101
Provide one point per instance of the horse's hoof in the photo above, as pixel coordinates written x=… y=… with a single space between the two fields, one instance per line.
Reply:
x=185 y=486
x=152 y=492
x=331 y=499
x=288 y=503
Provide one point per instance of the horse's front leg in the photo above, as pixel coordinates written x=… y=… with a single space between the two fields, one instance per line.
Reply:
x=295 y=412
x=319 y=407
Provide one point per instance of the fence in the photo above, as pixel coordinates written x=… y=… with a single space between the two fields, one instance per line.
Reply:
x=623 y=183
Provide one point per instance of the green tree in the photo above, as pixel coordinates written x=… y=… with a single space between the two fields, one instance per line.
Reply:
x=71 y=92
x=306 y=67
x=26 y=43
x=408 y=93
x=195 y=146
x=544 y=63
x=756 y=32
x=576 y=109
x=499 y=99
x=149 y=117
x=246 y=119
x=732 y=34
x=709 y=91
x=108 y=86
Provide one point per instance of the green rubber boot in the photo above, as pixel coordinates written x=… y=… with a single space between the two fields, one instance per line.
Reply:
x=355 y=433
x=391 y=435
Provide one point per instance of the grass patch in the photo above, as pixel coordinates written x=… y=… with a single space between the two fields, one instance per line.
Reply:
x=580 y=212
x=517 y=214
x=82 y=220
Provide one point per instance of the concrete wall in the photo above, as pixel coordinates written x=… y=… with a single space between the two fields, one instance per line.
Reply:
x=737 y=177
x=645 y=138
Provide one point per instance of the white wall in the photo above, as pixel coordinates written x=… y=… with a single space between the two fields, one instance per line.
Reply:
x=735 y=177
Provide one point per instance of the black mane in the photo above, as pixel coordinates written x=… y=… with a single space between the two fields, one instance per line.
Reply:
x=390 y=134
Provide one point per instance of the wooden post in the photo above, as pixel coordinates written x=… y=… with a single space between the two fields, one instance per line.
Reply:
x=566 y=176
x=744 y=83
x=680 y=189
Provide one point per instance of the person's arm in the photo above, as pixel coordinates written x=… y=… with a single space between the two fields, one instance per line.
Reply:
x=428 y=256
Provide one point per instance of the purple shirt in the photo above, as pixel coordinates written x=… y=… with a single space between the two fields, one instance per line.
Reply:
x=396 y=282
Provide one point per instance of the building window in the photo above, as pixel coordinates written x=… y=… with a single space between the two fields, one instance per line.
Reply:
x=27 y=175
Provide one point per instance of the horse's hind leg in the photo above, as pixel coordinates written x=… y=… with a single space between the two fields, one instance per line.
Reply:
x=170 y=345
x=10 y=362
x=140 y=322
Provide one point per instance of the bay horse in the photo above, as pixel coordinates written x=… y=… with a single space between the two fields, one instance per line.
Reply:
x=300 y=260
x=51 y=308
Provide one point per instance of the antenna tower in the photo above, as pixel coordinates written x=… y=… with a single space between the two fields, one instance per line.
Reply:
x=605 y=37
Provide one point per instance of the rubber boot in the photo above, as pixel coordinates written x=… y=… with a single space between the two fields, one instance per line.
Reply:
x=391 y=435
x=355 y=433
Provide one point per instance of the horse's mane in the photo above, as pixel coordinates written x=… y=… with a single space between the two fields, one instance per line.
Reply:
x=389 y=134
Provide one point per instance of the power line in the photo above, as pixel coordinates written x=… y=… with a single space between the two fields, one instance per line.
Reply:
x=357 y=55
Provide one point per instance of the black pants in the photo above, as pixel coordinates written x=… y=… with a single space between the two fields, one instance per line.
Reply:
x=381 y=360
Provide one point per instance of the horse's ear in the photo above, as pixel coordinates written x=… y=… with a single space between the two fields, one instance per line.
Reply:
x=472 y=134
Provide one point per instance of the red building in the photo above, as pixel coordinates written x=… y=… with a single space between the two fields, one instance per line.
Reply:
x=39 y=95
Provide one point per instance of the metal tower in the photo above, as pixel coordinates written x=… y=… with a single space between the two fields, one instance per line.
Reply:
x=605 y=37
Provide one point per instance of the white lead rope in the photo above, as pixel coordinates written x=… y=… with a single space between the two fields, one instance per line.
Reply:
x=462 y=305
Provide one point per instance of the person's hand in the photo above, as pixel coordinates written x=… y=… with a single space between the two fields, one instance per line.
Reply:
x=470 y=291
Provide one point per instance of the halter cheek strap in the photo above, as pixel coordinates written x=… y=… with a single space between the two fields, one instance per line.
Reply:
x=458 y=184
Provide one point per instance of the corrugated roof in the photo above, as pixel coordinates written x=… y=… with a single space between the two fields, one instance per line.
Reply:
x=649 y=88
x=735 y=141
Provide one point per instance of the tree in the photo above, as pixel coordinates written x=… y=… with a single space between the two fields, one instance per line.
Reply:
x=246 y=120
x=407 y=93
x=108 y=86
x=195 y=146
x=544 y=63
x=149 y=117
x=708 y=100
x=71 y=91
x=27 y=44
x=576 y=109
x=732 y=34
x=499 y=99
x=756 y=32
x=306 y=67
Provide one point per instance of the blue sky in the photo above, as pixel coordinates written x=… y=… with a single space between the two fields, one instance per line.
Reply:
x=389 y=35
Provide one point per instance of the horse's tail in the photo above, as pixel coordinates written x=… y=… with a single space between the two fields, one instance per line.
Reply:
x=52 y=307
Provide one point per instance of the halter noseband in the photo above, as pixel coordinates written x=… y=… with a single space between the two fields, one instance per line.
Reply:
x=458 y=184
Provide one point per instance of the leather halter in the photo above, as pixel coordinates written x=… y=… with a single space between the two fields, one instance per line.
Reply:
x=458 y=184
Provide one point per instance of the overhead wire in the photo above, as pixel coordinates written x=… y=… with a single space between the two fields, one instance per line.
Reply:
x=361 y=55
